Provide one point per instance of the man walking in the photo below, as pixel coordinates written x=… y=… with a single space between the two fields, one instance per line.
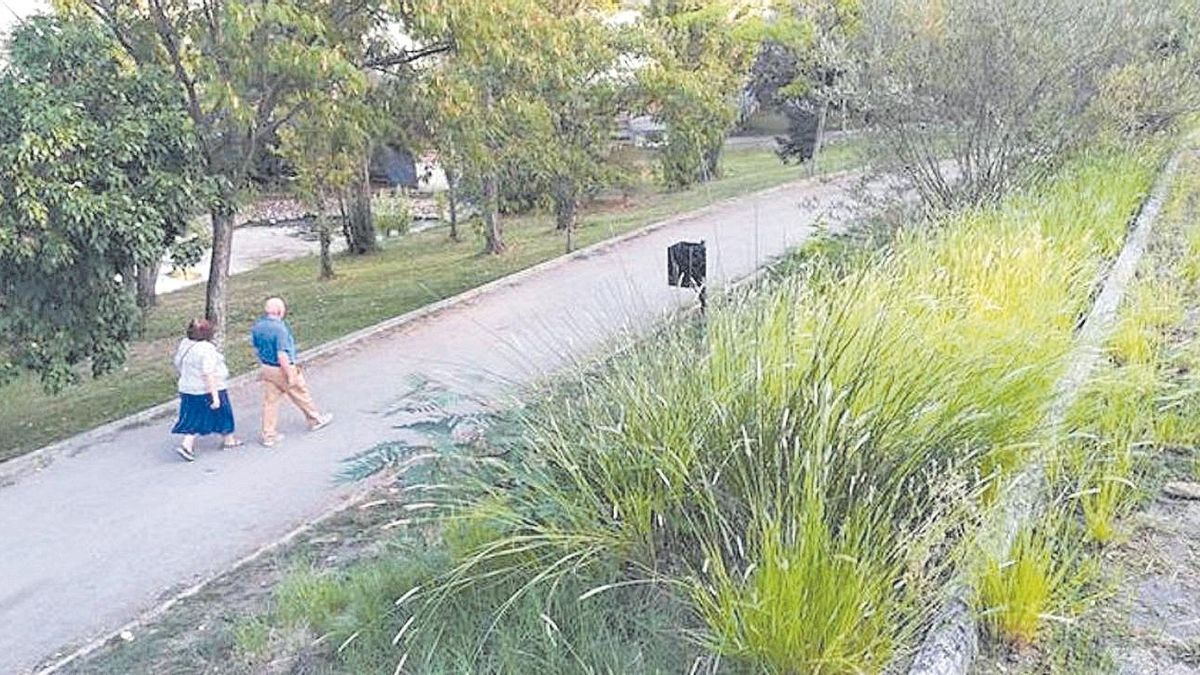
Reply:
x=280 y=375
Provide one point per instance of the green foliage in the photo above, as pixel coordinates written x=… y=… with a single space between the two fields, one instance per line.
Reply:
x=808 y=65
x=817 y=606
x=996 y=88
x=581 y=90
x=188 y=250
x=250 y=636
x=482 y=93
x=308 y=596
x=1015 y=591
x=326 y=142
x=526 y=102
x=244 y=69
x=1151 y=308
x=1157 y=88
x=393 y=213
x=1143 y=399
x=359 y=614
x=699 y=56
x=96 y=157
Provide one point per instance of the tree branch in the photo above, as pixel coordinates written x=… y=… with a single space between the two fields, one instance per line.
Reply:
x=171 y=44
x=406 y=57
x=106 y=13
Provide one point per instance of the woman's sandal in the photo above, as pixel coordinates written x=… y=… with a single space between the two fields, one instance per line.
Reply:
x=236 y=444
x=185 y=453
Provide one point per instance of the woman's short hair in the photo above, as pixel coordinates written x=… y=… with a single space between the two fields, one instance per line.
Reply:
x=199 y=329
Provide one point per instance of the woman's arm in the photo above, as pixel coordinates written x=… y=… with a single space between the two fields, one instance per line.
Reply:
x=210 y=381
x=209 y=367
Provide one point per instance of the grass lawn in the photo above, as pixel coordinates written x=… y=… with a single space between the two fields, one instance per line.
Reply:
x=412 y=272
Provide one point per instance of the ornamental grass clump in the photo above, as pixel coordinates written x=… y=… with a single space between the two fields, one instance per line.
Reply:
x=801 y=472
x=1111 y=426
x=1045 y=576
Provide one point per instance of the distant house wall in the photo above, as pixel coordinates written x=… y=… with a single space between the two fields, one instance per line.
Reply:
x=393 y=167
x=397 y=168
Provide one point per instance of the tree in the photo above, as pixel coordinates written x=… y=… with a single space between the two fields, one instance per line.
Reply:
x=243 y=69
x=326 y=143
x=95 y=155
x=400 y=118
x=700 y=53
x=354 y=115
x=1000 y=90
x=580 y=88
x=805 y=67
x=382 y=65
x=484 y=90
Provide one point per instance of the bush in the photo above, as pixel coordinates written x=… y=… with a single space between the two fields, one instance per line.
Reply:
x=393 y=214
x=1001 y=89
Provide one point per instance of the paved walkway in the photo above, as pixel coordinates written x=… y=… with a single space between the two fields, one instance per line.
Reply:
x=108 y=532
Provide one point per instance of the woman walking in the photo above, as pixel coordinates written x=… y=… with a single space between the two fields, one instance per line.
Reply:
x=203 y=401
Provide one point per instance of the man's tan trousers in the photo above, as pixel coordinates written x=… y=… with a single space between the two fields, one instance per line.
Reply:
x=275 y=388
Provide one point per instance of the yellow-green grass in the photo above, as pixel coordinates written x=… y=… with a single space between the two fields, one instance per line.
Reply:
x=1133 y=426
x=412 y=272
x=1144 y=398
x=354 y=613
x=799 y=473
x=1044 y=577
x=1014 y=591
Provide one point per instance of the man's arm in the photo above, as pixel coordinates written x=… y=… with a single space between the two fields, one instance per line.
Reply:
x=285 y=367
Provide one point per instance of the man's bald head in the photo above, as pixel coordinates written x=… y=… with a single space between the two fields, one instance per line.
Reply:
x=275 y=307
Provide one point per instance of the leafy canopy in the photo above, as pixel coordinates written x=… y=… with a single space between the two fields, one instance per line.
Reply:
x=96 y=156
x=699 y=55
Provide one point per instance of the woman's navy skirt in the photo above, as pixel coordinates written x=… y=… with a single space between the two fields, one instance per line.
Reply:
x=195 y=417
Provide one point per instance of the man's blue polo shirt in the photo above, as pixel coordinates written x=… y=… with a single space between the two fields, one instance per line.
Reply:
x=271 y=336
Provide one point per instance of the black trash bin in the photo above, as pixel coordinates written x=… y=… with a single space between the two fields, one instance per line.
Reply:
x=687 y=267
x=687 y=264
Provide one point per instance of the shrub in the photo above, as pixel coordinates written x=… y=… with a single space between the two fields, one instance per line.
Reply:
x=1000 y=89
x=393 y=214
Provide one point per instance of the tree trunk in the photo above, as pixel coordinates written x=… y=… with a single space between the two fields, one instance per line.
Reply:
x=819 y=140
x=344 y=219
x=488 y=206
x=129 y=279
x=147 y=279
x=452 y=201
x=325 y=236
x=566 y=208
x=361 y=226
x=712 y=162
x=217 y=298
